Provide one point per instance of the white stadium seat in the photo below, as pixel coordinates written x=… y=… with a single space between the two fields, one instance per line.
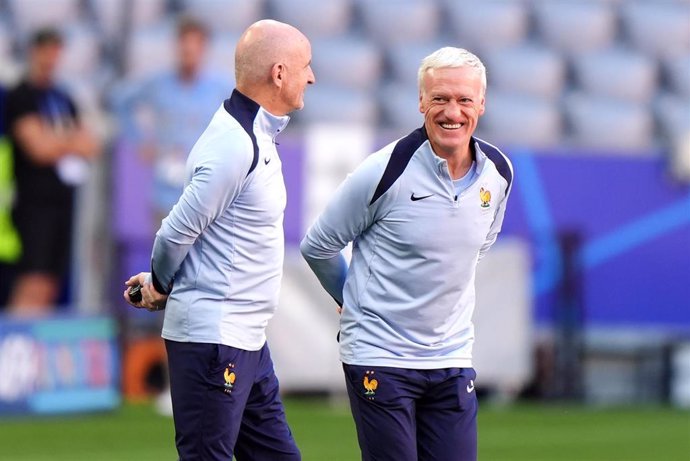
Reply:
x=225 y=15
x=348 y=61
x=315 y=18
x=598 y=122
x=146 y=13
x=488 y=24
x=575 y=26
x=617 y=73
x=660 y=28
x=529 y=69
x=400 y=21
x=81 y=55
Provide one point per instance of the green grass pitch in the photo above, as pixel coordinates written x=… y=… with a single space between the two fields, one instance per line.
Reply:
x=325 y=432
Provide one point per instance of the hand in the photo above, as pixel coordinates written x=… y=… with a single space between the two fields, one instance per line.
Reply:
x=151 y=300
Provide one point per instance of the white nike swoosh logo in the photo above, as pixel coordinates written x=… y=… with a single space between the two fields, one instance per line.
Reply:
x=470 y=386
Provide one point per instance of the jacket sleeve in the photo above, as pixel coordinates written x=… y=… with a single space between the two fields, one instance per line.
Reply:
x=347 y=215
x=215 y=182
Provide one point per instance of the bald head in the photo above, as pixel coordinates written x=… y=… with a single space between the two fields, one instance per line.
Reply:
x=273 y=66
x=262 y=45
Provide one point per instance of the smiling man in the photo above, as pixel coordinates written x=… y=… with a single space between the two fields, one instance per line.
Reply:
x=421 y=213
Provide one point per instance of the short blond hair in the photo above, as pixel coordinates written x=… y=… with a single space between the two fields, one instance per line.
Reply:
x=451 y=57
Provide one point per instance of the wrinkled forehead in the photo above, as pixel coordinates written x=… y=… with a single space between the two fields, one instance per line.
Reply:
x=451 y=78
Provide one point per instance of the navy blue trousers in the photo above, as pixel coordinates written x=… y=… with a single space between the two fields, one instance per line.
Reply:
x=410 y=415
x=226 y=402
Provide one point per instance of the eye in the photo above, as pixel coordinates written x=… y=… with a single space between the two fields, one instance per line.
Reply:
x=438 y=99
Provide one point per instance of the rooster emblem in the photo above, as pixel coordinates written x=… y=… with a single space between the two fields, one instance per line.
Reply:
x=485 y=196
x=229 y=378
x=370 y=385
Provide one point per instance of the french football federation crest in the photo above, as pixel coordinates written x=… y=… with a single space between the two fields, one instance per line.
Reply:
x=370 y=385
x=230 y=377
x=485 y=197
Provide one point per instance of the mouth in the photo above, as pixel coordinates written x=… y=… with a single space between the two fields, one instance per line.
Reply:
x=451 y=126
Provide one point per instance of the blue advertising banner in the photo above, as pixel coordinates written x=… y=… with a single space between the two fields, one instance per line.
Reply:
x=58 y=365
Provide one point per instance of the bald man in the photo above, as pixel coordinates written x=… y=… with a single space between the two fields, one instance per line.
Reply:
x=217 y=261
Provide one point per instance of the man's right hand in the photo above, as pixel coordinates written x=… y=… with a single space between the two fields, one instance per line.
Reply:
x=151 y=300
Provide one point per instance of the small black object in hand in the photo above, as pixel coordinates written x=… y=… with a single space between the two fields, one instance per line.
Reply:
x=135 y=294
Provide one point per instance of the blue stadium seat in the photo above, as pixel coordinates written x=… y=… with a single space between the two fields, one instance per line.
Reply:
x=599 y=122
x=660 y=28
x=405 y=59
x=617 y=73
x=150 y=50
x=530 y=69
x=678 y=72
x=673 y=115
x=220 y=55
x=225 y=15
x=400 y=106
x=110 y=16
x=32 y=14
x=348 y=61
x=575 y=26
x=518 y=119
x=316 y=18
x=488 y=24
x=337 y=104
x=400 y=21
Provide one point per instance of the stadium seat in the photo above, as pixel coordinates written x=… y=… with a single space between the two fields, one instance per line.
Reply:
x=347 y=61
x=405 y=59
x=145 y=14
x=660 y=28
x=81 y=55
x=514 y=119
x=336 y=104
x=575 y=26
x=598 y=122
x=316 y=18
x=400 y=21
x=150 y=50
x=110 y=17
x=231 y=16
x=32 y=14
x=673 y=115
x=678 y=72
x=488 y=24
x=400 y=106
x=617 y=73
x=220 y=56
x=529 y=69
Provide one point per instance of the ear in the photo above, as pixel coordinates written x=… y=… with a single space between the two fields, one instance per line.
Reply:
x=482 y=107
x=421 y=106
x=278 y=74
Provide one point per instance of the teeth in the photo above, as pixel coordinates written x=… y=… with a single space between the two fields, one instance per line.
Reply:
x=451 y=126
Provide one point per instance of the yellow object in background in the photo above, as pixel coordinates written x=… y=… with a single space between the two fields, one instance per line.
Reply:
x=10 y=245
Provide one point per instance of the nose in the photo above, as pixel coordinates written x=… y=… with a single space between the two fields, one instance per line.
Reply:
x=312 y=78
x=452 y=111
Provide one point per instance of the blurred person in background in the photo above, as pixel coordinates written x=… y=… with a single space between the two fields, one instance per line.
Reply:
x=180 y=103
x=217 y=260
x=421 y=213
x=51 y=150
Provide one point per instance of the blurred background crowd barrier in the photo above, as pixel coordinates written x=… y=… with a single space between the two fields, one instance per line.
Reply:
x=586 y=296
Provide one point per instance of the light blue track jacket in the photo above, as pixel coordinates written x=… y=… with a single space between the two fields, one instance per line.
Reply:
x=221 y=247
x=408 y=294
